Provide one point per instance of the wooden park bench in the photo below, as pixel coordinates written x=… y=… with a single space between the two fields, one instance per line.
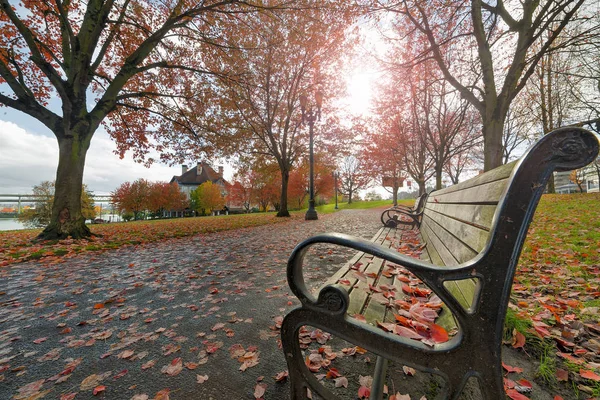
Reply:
x=472 y=235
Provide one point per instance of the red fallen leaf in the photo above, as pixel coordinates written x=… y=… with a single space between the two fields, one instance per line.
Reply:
x=518 y=339
x=364 y=392
x=280 y=377
x=524 y=383
x=509 y=369
x=514 y=395
x=359 y=317
x=98 y=306
x=587 y=374
x=438 y=333
x=344 y=282
x=68 y=396
x=374 y=288
x=40 y=340
x=190 y=365
x=120 y=374
x=557 y=397
x=70 y=304
x=99 y=389
x=407 y=332
x=332 y=373
x=562 y=375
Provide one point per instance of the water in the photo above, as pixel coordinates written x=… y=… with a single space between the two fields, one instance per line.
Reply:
x=7 y=224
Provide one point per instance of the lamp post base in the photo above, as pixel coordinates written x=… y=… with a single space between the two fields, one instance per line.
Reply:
x=311 y=215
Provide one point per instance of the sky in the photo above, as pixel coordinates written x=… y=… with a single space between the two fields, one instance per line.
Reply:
x=29 y=151
x=29 y=155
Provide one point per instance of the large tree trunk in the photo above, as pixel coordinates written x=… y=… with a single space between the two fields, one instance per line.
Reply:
x=438 y=177
x=67 y=219
x=395 y=195
x=492 y=143
x=283 y=208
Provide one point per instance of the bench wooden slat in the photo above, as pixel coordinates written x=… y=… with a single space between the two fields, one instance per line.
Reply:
x=488 y=193
x=464 y=241
x=374 y=310
x=497 y=174
x=476 y=214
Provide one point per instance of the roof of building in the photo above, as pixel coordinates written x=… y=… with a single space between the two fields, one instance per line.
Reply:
x=192 y=177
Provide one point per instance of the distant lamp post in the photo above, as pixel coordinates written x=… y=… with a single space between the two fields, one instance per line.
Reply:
x=335 y=178
x=311 y=116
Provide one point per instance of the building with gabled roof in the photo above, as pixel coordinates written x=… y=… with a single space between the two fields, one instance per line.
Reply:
x=191 y=178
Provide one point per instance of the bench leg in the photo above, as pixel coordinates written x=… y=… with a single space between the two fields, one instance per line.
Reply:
x=379 y=379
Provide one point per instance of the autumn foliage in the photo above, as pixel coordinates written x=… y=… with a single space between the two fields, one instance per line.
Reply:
x=141 y=195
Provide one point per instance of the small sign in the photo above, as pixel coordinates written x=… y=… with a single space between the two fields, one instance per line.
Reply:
x=388 y=181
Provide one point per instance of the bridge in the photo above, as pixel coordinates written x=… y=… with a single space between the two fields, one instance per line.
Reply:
x=35 y=198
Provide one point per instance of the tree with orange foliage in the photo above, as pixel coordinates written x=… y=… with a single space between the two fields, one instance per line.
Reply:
x=132 y=197
x=123 y=64
x=296 y=53
x=164 y=197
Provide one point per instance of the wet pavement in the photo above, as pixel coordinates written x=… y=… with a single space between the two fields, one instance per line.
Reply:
x=195 y=317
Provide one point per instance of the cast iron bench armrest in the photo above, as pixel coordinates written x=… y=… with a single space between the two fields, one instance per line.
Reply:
x=432 y=275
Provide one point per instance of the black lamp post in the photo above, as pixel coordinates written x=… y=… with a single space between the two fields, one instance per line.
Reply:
x=335 y=178
x=310 y=116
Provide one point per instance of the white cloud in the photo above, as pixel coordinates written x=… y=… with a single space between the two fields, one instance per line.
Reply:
x=26 y=159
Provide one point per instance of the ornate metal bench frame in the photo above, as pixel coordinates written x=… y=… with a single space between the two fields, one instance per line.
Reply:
x=475 y=350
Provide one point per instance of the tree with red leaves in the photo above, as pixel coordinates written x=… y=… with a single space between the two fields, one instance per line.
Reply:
x=122 y=64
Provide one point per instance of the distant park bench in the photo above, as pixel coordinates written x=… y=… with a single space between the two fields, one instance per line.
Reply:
x=404 y=216
x=471 y=238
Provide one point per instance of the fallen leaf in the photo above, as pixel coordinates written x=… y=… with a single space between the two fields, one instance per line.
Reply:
x=586 y=374
x=99 y=389
x=259 y=390
x=201 y=378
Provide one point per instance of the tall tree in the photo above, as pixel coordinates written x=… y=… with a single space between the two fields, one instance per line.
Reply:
x=353 y=177
x=384 y=158
x=138 y=67
x=40 y=215
x=292 y=54
x=486 y=50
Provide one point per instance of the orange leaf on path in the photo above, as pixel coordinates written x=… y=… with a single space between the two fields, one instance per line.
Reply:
x=438 y=334
x=509 y=369
x=589 y=375
x=99 y=389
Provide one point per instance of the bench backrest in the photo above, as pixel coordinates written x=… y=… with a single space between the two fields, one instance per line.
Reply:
x=457 y=220
x=483 y=221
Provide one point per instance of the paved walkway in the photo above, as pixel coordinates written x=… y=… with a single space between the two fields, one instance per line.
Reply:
x=163 y=316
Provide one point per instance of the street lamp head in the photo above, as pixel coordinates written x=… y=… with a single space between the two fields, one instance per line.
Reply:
x=303 y=103
x=319 y=99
